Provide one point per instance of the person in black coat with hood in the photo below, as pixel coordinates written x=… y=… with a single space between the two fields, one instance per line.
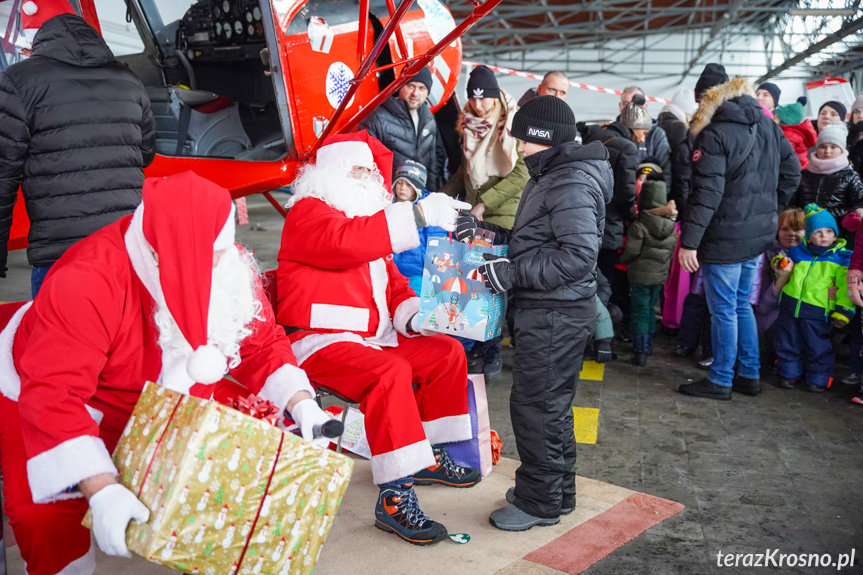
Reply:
x=76 y=133
x=744 y=172
x=550 y=266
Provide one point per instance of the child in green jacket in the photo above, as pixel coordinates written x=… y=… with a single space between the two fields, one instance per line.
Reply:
x=814 y=299
x=649 y=248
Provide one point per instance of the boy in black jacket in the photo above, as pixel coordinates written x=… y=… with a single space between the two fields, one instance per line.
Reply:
x=551 y=268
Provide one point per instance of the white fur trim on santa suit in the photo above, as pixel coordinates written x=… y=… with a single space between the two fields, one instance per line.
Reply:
x=283 y=383
x=329 y=316
x=403 y=314
x=352 y=152
x=227 y=236
x=448 y=429
x=84 y=565
x=140 y=255
x=386 y=335
x=402 y=462
x=402 y=227
x=311 y=344
x=51 y=472
x=10 y=383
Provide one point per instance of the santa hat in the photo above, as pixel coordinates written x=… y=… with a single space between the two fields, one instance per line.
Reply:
x=185 y=219
x=34 y=13
x=360 y=149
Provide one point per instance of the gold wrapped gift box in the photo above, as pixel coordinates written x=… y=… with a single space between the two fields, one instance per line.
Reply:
x=227 y=493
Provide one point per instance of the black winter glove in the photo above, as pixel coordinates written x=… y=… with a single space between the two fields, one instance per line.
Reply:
x=603 y=350
x=466 y=225
x=496 y=271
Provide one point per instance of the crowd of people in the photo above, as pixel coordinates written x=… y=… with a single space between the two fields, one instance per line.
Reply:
x=731 y=216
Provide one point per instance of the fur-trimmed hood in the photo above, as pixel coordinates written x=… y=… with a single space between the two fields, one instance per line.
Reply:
x=714 y=98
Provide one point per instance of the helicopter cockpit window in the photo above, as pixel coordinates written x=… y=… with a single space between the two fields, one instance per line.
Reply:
x=216 y=100
x=121 y=36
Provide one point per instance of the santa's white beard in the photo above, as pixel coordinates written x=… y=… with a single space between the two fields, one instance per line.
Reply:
x=232 y=309
x=332 y=184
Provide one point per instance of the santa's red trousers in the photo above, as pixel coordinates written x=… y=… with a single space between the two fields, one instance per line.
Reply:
x=423 y=379
x=49 y=535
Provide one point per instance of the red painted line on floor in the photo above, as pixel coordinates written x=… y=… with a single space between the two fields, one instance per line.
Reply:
x=584 y=545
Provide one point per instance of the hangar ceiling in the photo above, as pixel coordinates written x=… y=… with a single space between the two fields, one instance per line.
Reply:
x=685 y=34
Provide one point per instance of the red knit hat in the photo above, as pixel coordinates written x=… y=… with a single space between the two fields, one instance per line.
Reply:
x=186 y=218
x=382 y=156
x=34 y=13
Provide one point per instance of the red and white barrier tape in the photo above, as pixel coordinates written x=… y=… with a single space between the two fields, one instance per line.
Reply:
x=530 y=76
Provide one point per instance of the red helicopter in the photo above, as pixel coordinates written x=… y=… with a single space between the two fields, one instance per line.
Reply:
x=243 y=91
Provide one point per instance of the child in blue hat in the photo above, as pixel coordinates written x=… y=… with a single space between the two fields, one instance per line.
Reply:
x=814 y=299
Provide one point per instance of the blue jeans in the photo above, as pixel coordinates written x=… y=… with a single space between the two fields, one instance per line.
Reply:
x=733 y=329
x=37 y=275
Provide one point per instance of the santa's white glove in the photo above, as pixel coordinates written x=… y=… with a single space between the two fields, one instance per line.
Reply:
x=414 y=326
x=441 y=210
x=308 y=415
x=113 y=508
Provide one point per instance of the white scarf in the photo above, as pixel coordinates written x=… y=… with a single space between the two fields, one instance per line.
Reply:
x=488 y=148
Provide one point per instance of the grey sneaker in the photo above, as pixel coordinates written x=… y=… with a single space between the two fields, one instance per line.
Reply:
x=511 y=518
x=510 y=498
x=852 y=379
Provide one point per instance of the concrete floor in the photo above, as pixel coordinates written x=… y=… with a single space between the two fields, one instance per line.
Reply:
x=781 y=471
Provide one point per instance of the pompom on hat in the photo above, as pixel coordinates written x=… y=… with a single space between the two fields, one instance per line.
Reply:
x=34 y=13
x=817 y=218
x=186 y=218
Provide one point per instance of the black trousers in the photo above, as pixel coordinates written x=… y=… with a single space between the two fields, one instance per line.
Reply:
x=548 y=359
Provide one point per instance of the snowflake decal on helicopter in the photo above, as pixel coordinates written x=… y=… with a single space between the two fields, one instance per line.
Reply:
x=339 y=78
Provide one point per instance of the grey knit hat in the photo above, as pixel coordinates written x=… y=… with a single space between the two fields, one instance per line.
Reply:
x=635 y=116
x=836 y=134
x=413 y=173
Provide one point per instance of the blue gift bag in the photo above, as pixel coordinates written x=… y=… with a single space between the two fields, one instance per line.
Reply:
x=454 y=298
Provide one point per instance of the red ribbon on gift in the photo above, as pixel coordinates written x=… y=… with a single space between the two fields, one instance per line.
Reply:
x=256 y=407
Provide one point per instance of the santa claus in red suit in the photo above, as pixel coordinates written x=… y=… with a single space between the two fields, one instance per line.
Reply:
x=353 y=321
x=163 y=295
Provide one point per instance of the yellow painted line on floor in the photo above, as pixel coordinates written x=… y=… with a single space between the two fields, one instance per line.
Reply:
x=586 y=424
x=592 y=371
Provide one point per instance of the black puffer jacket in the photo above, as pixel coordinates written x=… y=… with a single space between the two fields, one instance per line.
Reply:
x=855 y=146
x=732 y=218
x=838 y=193
x=675 y=130
x=623 y=155
x=558 y=228
x=681 y=180
x=76 y=133
x=392 y=124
